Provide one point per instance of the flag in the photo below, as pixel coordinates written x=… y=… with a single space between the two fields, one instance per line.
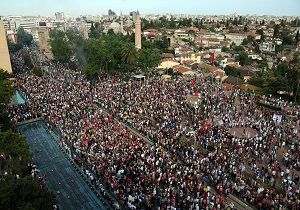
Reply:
x=196 y=94
x=193 y=82
x=212 y=58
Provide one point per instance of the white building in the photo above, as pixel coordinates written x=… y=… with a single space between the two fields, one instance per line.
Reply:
x=267 y=46
x=59 y=15
x=15 y=22
x=238 y=38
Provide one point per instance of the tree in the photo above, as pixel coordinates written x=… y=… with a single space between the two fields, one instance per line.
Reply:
x=259 y=80
x=24 y=38
x=224 y=49
x=78 y=46
x=287 y=38
x=278 y=48
x=27 y=59
x=60 y=46
x=245 y=42
x=148 y=58
x=276 y=83
x=232 y=71
x=244 y=59
x=261 y=33
x=25 y=191
x=294 y=67
x=263 y=64
x=97 y=57
x=6 y=92
x=238 y=48
x=129 y=53
x=94 y=33
x=12 y=47
x=6 y=88
x=162 y=44
x=276 y=31
x=297 y=37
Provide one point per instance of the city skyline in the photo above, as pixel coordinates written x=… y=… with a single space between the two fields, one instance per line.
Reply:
x=194 y=7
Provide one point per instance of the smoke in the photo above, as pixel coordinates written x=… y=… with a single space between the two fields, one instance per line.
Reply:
x=81 y=55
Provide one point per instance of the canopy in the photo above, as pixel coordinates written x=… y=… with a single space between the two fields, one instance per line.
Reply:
x=139 y=77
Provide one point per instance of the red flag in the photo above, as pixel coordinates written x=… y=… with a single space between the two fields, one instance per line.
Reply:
x=212 y=58
x=193 y=82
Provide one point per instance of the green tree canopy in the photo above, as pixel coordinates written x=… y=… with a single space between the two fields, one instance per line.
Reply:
x=25 y=191
x=24 y=38
x=148 y=58
x=243 y=59
x=297 y=37
x=60 y=46
x=6 y=88
x=129 y=53
x=232 y=71
x=12 y=47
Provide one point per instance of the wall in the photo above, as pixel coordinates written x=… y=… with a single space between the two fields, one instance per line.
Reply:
x=4 y=54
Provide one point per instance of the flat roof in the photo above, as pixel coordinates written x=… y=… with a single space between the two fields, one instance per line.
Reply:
x=139 y=76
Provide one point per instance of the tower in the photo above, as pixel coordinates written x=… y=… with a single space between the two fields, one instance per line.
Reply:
x=138 y=38
x=121 y=26
x=4 y=54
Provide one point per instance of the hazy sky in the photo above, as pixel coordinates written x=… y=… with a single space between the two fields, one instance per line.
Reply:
x=93 y=7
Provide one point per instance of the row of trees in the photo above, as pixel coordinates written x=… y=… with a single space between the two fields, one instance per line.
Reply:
x=18 y=189
x=103 y=53
x=171 y=23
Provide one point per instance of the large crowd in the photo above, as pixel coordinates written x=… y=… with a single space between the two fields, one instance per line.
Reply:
x=224 y=143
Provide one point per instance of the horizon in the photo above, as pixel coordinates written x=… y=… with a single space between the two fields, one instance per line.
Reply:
x=175 y=7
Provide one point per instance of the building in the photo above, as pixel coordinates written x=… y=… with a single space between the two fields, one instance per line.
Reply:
x=15 y=22
x=11 y=35
x=184 y=70
x=138 y=32
x=268 y=46
x=116 y=27
x=133 y=15
x=4 y=54
x=195 y=57
x=238 y=38
x=59 y=15
x=44 y=45
x=181 y=34
x=183 y=50
x=167 y=63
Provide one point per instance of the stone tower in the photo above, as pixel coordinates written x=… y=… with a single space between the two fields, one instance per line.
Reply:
x=4 y=54
x=138 y=31
x=121 y=26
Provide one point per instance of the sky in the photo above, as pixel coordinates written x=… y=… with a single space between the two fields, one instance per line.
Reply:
x=201 y=7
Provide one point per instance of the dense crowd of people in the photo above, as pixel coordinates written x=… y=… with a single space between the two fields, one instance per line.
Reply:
x=199 y=154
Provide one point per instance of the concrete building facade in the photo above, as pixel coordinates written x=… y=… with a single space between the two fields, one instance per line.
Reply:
x=4 y=54
x=44 y=44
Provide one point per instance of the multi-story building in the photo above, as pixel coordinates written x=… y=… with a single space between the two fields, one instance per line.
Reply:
x=4 y=54
x=267 y=46
x=195 y=57
x=15 y=22
x=238 y=38
x=59 y=15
